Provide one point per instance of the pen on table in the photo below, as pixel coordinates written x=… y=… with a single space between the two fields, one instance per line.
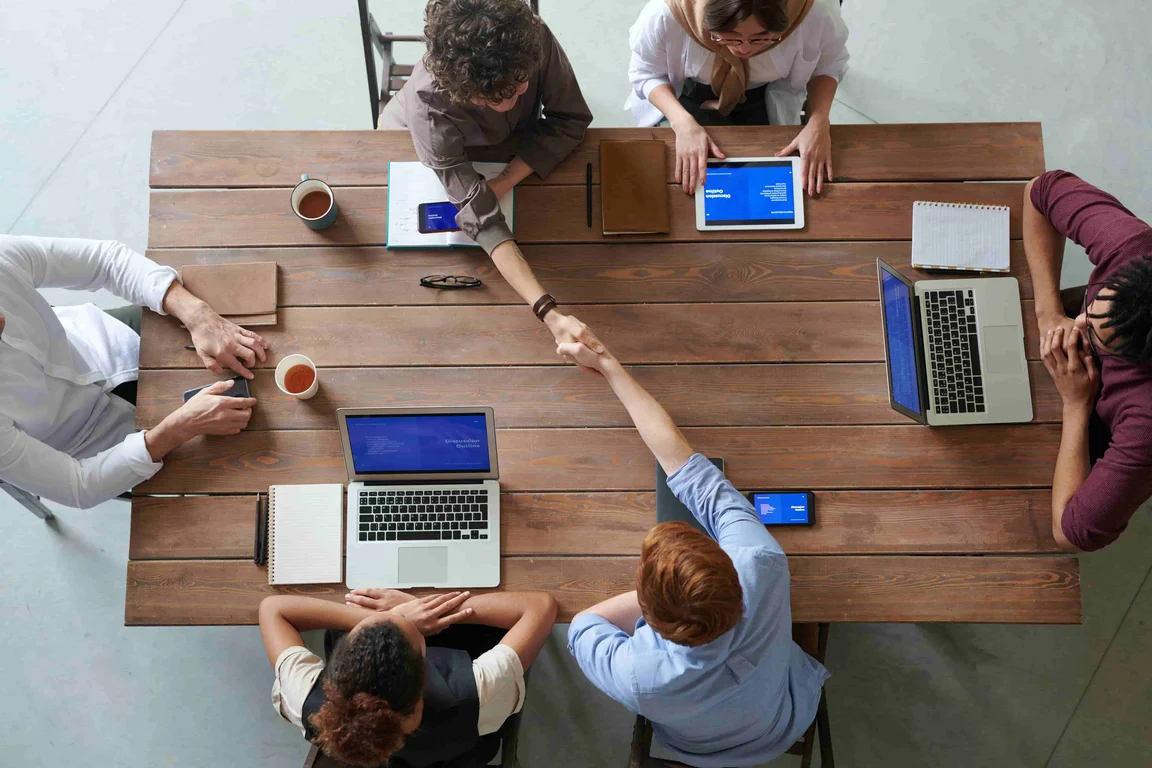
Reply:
x=588 y=194
x=189 y=346
x=261 y=544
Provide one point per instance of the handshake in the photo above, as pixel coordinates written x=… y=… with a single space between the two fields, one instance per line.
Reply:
x=576 y=343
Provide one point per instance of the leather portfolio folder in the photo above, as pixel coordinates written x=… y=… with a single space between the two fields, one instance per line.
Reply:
x=634 y=187
x=243 y=293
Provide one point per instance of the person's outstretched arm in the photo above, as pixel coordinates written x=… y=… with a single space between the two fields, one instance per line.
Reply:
x=284 y=617
x=655 y=426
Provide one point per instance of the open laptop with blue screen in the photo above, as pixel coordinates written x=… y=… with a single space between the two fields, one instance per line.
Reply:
x=954 y=349
x=751 y=193
x=423 y=501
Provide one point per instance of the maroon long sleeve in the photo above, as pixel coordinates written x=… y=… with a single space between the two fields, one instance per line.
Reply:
x=1121 y=478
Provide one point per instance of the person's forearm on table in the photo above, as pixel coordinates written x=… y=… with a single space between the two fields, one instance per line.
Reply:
x=514 y=173
x=655 y=426
x=284 y=617
x=515 y=270
x=528 y=617
x=1044 y=251
x=182 y=305
x=1072 y=467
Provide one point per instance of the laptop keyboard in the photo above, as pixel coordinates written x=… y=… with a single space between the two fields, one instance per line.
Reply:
x=954 y=352
x=426 y=515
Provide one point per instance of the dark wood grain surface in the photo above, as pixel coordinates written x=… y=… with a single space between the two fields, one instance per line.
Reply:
x=615 y=523
x=605 y=273
x=765 y=346
x=1041 y=589
x=996 y=456
x=561 y=396
x=923 y=152
x=789 y=332
x=263 y=217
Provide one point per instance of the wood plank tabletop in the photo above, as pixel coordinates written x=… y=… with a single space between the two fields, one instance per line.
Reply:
x=765 y=346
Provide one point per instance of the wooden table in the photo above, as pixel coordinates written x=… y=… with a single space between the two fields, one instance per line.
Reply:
x=765 y=346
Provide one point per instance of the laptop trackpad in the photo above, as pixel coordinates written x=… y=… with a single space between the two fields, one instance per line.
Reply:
x=1002 y=354
x=423 y=565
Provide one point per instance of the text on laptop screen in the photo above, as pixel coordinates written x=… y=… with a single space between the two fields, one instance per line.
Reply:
x=758 y=192
x=901 y=342
x=446 y=442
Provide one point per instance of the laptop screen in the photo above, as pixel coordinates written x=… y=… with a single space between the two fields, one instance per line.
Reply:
x=419 y=443
x=900 y=337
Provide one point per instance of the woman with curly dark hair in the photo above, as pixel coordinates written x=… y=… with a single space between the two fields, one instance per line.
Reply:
x=388 y=695
x=493 y=72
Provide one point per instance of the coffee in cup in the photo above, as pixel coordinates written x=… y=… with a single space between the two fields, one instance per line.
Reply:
x=315 y=204
x=296 y=375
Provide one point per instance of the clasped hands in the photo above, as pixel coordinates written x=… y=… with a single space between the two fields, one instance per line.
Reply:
x=430 y=614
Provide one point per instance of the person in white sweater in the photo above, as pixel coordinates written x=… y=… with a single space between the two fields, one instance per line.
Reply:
x=701 y=63
x=67 y=417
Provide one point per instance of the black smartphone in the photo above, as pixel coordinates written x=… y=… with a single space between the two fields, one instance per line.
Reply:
x=784 y=507
x=239 y=389
x=437 y=217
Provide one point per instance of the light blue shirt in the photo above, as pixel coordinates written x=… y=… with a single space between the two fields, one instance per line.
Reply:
x=743 y=698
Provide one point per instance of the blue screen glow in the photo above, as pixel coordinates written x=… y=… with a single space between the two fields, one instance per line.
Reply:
x=439 y=217
x=781 y=508
x=752 y=193
x=901 y=342
x=450 y=442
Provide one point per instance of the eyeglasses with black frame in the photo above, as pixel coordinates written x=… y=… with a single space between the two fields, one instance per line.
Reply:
x=1094 y=341
x=450 y=282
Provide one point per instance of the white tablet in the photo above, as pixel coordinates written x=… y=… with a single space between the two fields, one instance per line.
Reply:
x=751 y=193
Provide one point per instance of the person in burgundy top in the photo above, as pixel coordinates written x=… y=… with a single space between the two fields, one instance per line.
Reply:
x=1096 y=342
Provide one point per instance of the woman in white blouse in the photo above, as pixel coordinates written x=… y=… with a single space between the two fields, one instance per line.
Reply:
x=738 y=62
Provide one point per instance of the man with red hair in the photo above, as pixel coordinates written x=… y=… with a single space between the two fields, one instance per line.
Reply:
x=703 y=647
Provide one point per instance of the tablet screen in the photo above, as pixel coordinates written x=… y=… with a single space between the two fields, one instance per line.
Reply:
x=749 y=193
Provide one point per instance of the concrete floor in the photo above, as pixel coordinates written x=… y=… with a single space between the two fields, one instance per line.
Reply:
x=84 y=82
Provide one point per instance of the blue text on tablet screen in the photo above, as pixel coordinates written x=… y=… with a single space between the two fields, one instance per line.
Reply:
x=752 y=193
x=781 y=508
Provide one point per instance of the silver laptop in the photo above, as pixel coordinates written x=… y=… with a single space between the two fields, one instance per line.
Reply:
x=423 y=504
x=955 y=349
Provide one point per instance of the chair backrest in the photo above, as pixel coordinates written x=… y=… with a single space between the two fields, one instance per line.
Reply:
x=387 y=77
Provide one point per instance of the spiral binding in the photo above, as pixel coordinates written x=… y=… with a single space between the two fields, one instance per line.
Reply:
x=272 y=535
x=969 y=206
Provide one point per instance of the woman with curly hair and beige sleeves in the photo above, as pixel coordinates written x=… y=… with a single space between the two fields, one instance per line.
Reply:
x=493 y=71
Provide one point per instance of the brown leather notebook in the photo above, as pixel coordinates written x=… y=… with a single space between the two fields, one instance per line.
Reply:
x=634 y=187
x=243 y=293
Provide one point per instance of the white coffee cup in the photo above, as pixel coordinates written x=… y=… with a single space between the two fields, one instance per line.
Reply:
x=287 y=364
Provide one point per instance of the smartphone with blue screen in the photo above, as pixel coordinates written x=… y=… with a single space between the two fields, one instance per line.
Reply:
x=437 y=217
x=784 y=507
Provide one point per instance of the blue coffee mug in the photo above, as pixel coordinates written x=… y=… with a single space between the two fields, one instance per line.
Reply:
x=311 y=214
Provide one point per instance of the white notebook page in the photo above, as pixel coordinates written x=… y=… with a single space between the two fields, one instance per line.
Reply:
x=409 y=185
x=960 y=236
x=305 y=525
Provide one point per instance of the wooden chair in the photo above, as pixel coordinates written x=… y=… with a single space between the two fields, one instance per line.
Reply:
x=813 y=638
x=387 y=77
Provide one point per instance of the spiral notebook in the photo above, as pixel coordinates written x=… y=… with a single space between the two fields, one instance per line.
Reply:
x=305 y=534
x=962 y=236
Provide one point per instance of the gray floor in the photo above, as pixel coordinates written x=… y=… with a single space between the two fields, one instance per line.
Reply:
x=84 y=82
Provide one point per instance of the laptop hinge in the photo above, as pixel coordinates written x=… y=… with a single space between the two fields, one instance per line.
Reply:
x=922 y=349
x=422 y=482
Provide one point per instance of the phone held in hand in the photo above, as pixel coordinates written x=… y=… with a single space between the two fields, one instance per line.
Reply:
x=784 y=507
x=436 y=217
x=239 y=389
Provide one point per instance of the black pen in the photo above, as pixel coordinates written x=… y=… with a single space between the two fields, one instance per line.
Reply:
x=261 y=545
x=189 y=346
x=588 y=194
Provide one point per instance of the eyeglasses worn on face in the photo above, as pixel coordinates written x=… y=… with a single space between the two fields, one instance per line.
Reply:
x=733 y=40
